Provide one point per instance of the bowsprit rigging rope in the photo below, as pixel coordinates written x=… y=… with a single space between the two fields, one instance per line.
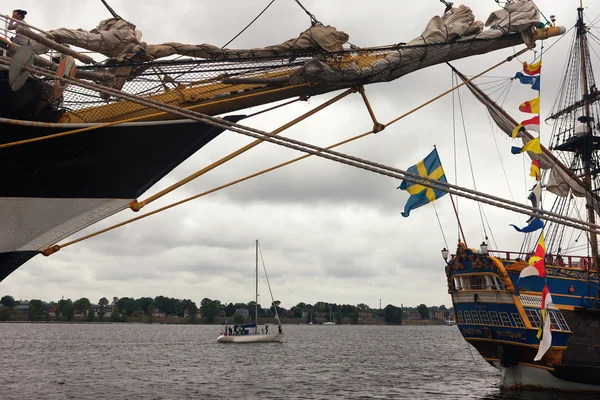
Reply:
x=318 y=151
x=248 y=26
x=313 y=20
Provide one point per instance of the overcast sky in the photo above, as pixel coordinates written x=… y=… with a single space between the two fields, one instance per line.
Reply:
x=328 y=232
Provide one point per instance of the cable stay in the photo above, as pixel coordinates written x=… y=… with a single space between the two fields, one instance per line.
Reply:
x=321 y=152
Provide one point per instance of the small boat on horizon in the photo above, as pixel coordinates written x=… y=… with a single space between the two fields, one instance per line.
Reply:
x=241 y=333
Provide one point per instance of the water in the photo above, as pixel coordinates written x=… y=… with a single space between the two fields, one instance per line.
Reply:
x=137 y=361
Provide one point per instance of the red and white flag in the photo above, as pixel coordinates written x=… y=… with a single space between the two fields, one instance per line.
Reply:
x=545 y=330
x=536 y=262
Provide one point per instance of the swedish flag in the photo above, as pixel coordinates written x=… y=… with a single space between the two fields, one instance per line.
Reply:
x=430 y=167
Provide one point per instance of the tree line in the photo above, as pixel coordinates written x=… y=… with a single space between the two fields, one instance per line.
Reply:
x=128 y=308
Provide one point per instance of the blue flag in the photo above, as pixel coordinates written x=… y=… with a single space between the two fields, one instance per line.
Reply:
x=533 y=226
x=430 y=167
x=534 y=81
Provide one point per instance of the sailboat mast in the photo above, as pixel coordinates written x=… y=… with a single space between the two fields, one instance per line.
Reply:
x=256 y=292
x=588 y=149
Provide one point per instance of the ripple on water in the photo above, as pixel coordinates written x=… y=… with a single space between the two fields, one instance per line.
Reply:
x=141 y=361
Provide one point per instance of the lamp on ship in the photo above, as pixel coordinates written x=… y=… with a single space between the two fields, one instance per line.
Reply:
x=484 y=247
x=445 y=254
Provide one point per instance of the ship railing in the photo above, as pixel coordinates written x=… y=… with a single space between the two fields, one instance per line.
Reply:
x=557 y=260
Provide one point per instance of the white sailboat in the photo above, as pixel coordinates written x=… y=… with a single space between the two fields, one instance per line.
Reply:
x=331 y=318
x=241 y=335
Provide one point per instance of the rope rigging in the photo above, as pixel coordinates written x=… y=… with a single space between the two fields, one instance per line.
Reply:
x=247 y=26
x=313 y=20
x=321 y=152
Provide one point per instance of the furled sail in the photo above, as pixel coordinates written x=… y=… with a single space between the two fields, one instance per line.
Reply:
x=114 y=38
x=561 y=179
x=317 y=38
x=456 y=34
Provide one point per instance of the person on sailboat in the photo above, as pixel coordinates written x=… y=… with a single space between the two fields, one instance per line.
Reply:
x=18 y=15
x=266 y=329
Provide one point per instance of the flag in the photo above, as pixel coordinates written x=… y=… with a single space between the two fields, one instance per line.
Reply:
x=535 y=198
x=534 y=170
x=533 y=226
x=533 y=146
x=536 y=262
x=534 y=81
x=545 y=331
x=429 y=167
x=532 y=69
x=531 y=106
x=532 y=124
x=535 y=195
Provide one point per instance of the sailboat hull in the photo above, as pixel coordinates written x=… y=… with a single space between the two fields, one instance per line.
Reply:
x=256 y=338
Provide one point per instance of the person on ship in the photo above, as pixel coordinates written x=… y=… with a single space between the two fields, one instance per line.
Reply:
x=18 y=15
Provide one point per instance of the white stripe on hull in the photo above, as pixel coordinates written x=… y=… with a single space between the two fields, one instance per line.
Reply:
x=523 y=377
x=28 y=224
x=495 y=297
x=252 y=338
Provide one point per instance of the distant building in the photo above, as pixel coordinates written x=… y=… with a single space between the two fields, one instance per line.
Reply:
x=411 y=315
x=187 y=314
x=159 y=314
x=438 y=315
x=365 y=315
x=243 y=311
x=22 y=306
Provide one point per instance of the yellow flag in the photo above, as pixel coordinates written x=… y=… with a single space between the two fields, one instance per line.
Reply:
x=533 y=146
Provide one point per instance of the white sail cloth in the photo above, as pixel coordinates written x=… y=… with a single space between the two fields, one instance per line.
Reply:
x=316 y=38
x=453 y=35
x=117 y=38
x=114 y=38
x=459 y=24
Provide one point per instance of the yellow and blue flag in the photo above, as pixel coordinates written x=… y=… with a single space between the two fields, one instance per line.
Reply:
x=430 y=167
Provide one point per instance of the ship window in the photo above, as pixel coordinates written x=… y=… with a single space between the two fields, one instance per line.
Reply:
x=533 y=317
x=498 y=283
x=477 y=282
x=562 y=321
x=484 y=317
x=494 y=318
x=518 y=320
x=505 y=319
x=554 y=323
x=475 y=317
x=468 y=317
x=460 y=317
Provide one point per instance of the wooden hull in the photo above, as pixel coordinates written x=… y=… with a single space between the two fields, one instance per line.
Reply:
x=500 y=317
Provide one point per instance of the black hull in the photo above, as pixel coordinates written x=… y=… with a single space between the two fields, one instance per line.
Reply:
x=9 y=262
x=121 y=161
x=581 y=359
x=91 y=170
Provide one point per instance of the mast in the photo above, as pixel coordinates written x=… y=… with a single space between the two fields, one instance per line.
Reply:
x=588 y=148
x=256 y=292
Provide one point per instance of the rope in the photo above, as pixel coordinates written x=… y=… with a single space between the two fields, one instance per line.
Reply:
x=440 y=224
x=248 y=26
x=313 y=20
x=462 y=118
x=326 y=153
x=269 y=284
